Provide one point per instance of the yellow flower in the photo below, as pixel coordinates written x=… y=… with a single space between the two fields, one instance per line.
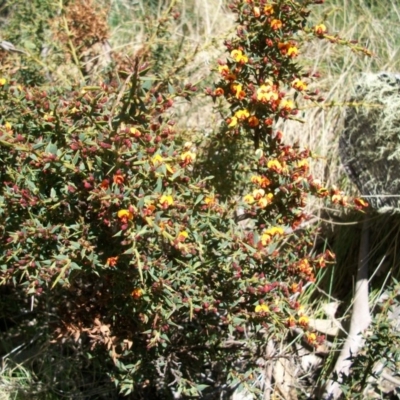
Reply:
x=209 y=200
x=166 y=201
x=286 y=105
x=125 y=215
x=266 y=93
x=275 y=230
x=299 y=85
x=238 y=91
x=157 y=159
x=3 y=81
x=256 y=11
x=261 y=308
x=182 y=236
x=8 y=126
x=239 y=57
x=304 y=320
x=249 y=199
x=269 y=9
x=274 y=165
x=320 y=29
x=258 y=193
x=242 y=114
x=188 y=157
x=292 y=51
x=135 y=132
x=311 y=337
x=265 y=239
x=265 y=201
x=276 y=24
x=233 y=122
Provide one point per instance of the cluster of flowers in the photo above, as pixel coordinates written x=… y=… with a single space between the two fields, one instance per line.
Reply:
x=260 y=80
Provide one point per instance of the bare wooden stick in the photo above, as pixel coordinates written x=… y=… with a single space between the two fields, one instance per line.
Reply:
x=360 y=319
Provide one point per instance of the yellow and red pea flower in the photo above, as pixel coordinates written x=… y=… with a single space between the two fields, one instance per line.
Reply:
x=256 y=12
x=239 y=57
x=304 y=321
x=188 y=157
x=286 y=105
x=261 y=308
x=319 y=29
x=276 y=24
x=237 y=91
x=265 y=201
x=112 y=261
x=299 y=85
x=249 y=199
x=269 y=9
x=135 y=132
x=182 y=236
x=275 y=165
x=311 y=337
x=125 y=215
x=137 y=293
x=166 y=200
x=219 y=91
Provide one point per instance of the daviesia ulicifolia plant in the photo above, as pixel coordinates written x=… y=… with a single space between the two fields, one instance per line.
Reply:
x=105 y=218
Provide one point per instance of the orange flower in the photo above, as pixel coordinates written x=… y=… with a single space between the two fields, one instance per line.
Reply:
x=105 y=184
x=137 y=293
x=320 y=29
x=239 y=57
x=219 y=92
x=253 y=121
x=125 y=215
x=112 y=261
x=276 y=24
x=118 y=179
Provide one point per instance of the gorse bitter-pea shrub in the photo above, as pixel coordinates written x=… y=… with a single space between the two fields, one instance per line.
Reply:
x=105 y=222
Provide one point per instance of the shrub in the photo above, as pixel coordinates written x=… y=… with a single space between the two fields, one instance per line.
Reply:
x=110 y=228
